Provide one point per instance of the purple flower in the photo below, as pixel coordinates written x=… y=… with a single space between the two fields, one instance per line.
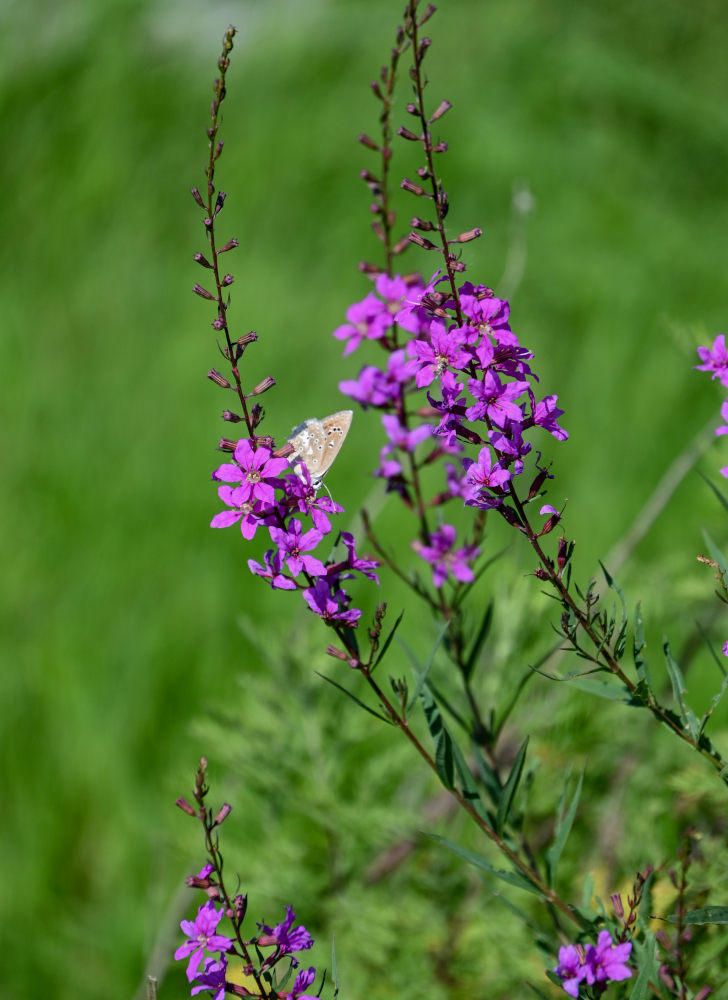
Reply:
x=286 y=938
x=601 y=963
x=725 y=648
x=446 y=559
x=366 y=319
x=715 y=360
x=606 y=960
x=487 y=312
x=271 y=571
x=442 y=350
x=201 y=934
x=381 y=388
x=302 y=496
x=545 y=415
x=304 y=978
x=255 y=469
x=330 y=604
x=484 y=475
x=365 y=566
x=213 y=978
x=293 y=546
x=495 y=399
x=571 y=969
x=249 y=514
x=400 y=437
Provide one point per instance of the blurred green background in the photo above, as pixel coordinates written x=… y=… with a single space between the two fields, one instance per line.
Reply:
x=122 y=649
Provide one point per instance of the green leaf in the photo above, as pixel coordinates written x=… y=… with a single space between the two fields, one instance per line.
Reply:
x=706 y=915
x=679 y=689
x=611 y=690
x=564 y=822
x=423 y=674
x=353 y=697
x=640 y=644
x=487 y=776
x=387 y=641
x=480 y=638
x=714 y=704
x=646 y=959
x=717 y=492
x=512 y=878
x=509 y=789
x=716 y=554
x=440 y=737
x=468 y=786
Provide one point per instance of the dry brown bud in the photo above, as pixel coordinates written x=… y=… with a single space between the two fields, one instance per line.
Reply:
x=406 y=134
x=422 y=224
x=202 y=292
x=198 y=197
x=230 y=245
x=225 y=444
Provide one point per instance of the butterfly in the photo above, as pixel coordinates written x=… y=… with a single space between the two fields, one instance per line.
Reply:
x=318 y=442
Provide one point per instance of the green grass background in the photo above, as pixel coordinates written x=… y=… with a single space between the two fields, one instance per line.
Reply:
x=122 y=650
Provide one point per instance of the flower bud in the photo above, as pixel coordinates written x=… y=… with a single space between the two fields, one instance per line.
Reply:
x=223 y=814
x=231 y=417
x=440 y=111
x=215 y=376
x=423 y=224
x=185 y=807
x=267 y=383
x=406 y=134
x=420 y=241
x=227 y=280
x=230 y=245
x=198 y=197
x=369 y=143
x=202 y=292
x=471 y=234
x=219 y=203
x=202 y=260
x=413 y=188
x=225 y=444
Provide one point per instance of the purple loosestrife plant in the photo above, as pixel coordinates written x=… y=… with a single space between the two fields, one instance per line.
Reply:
x=217 y=952
x=255 y=488
x=459 y=400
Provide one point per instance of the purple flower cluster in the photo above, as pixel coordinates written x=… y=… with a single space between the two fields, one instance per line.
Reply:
x=479 y=385
x=202 y=936
x=599 y=964
x=263 y=497
x=715 y=360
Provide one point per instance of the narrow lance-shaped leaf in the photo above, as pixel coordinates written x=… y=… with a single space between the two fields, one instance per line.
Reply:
x=440 y=737
x=647 y=964
x=512 y=878
x=480 y=638
x=467 y=784
x=564 y=822
x=679 y=689
x=387 y=641
x=354 y=698
x=640 y=644
x=420 y=680
x=713 y=705
x=705 y=915
x=509 y=789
